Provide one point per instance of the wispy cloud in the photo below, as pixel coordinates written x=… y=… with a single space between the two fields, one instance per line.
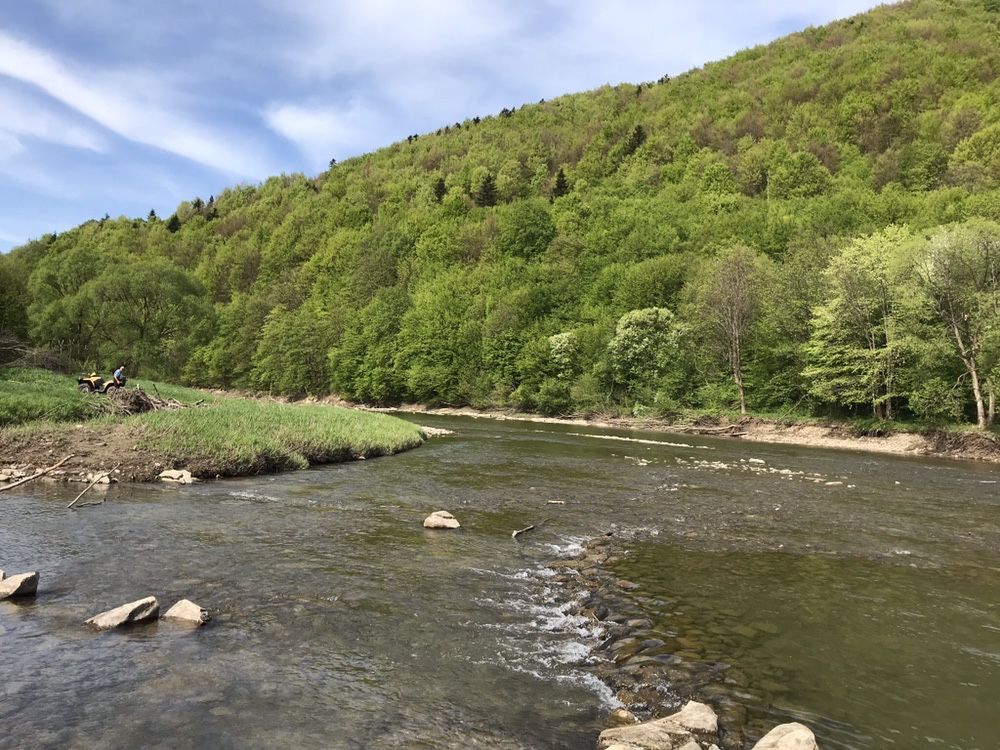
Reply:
x=132 y=104
x=322 y=131
x=25 y=116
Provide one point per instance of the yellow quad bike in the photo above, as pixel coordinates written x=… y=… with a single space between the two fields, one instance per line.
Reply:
x=94 y=383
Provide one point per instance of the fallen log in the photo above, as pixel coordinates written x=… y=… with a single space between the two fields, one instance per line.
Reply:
x=41 y=473
x=97 y=479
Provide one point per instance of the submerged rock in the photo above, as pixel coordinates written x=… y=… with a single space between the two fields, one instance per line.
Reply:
x=187 y=611
x=24 y=584
x=674 y=732
x=178 y=476
x=441 y=519
x=792 y=736
x=141 y=610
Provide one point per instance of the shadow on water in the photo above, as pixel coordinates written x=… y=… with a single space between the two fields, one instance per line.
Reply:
x=855 y=592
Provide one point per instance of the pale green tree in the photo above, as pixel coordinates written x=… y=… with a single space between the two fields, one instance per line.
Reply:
x=959 y=272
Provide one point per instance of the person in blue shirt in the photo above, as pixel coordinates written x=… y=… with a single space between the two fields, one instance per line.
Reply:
x=119 y=376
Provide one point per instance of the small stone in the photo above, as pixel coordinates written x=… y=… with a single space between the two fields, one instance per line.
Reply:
x=441 y=519
x=141 y=610
x=24 y=584
x=792 y=736
x=187 y=611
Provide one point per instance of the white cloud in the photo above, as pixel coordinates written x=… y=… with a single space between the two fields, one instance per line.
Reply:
x=26 y=117
x=133 y=105
x=322 y=132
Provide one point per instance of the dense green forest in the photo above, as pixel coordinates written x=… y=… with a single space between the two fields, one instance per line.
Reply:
x=808 y=226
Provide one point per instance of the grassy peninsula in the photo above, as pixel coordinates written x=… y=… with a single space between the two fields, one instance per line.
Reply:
x=43 y=418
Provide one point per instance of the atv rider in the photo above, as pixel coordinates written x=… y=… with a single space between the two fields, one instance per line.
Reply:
x=119 y=377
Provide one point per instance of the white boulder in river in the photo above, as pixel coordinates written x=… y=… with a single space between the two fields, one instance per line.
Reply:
x=674 y=732
x=187 y=611
x=792 y=736
x=141 y=610
x=178 y=476
x=25 y=584
x=441 y=519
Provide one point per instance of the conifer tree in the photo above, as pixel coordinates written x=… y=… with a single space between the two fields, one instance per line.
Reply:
x=561 y=187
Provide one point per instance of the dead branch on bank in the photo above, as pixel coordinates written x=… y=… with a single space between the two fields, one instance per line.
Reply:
x=41 y=473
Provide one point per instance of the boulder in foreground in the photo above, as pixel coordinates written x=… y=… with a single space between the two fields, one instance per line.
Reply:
x=187 y=611
x=674 y=732
x=792 y=736
x=25 y=584
x=441 y=519
x=141 y=610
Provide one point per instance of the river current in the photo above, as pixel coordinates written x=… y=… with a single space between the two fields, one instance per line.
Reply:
x=858 y=593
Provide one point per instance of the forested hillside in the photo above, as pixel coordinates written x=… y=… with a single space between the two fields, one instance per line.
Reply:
x=809 y=225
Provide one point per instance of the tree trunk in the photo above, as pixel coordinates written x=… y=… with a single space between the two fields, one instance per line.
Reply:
x=992 y=413
x=735 y=359
x=977 y=392
x=968 y=357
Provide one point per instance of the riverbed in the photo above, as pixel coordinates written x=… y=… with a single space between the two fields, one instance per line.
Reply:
x=859 y=593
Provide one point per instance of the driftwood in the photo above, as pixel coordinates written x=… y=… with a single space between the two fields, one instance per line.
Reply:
x=89 y=486
x=128 y=401
x=515 y=534
x=41 y=473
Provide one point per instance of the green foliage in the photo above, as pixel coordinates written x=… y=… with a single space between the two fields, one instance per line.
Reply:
x=643 y=348
x=492 y=262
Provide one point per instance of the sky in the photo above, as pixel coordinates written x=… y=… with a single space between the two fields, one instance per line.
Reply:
x=122 y=106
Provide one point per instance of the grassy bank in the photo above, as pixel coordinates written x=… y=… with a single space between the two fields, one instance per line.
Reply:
x=43 y=417
x=251 y=437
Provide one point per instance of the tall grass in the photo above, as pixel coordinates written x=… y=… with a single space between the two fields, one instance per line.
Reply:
x=29 y=395
x=248 y=437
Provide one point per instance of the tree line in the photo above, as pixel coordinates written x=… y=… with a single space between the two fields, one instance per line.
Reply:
x=807 y=227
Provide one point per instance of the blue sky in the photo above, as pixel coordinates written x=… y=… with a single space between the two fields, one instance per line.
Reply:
x=120 y=106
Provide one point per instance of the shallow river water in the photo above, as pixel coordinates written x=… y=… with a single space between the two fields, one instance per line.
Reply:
x=858 y=593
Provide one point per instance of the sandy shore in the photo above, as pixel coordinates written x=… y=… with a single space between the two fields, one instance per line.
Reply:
x=969 y=445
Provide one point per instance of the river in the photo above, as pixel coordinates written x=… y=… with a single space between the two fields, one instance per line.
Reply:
x=859 y=593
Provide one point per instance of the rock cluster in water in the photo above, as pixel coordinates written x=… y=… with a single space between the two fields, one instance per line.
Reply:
x=132 y=613
x=695 y=727
x=652 y=669
x=147 y=610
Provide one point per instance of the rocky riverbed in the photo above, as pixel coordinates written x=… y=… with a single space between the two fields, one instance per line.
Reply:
x=650 y=671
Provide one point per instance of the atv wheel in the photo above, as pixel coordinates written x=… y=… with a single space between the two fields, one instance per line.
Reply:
x=85 y=388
